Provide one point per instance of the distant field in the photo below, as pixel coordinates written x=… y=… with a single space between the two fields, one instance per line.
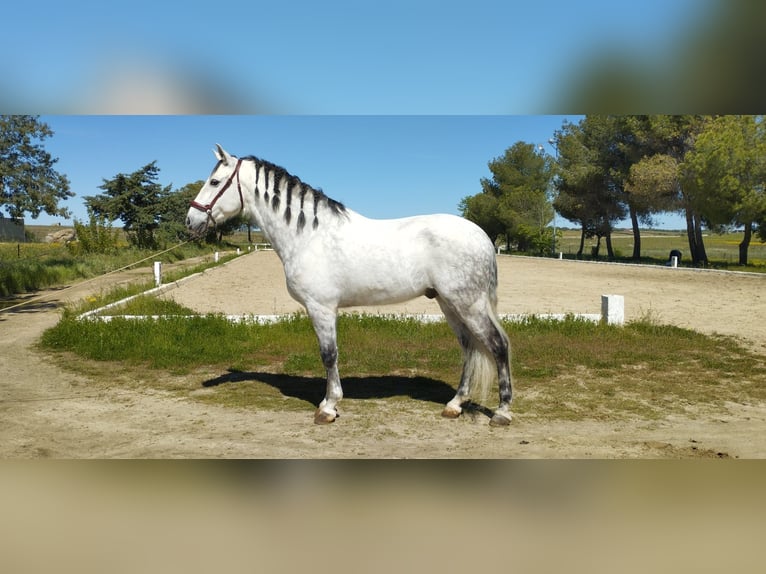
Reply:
x=656 y=244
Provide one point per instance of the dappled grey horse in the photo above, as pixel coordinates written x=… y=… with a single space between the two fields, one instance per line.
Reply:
x=334 y=258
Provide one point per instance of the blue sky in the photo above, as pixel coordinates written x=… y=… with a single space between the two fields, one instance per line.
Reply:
x=392 y=106
x=329 y=57
x=380 y=166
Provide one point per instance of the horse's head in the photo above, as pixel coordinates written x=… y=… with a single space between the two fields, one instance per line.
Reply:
x=221 y=196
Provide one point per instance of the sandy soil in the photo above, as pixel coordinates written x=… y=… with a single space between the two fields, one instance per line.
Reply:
x=48 y=412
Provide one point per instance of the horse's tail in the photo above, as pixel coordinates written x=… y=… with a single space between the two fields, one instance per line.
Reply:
x=479 y=360
x=481 y=367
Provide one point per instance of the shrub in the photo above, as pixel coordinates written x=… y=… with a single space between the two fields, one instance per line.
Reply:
x=97 y=236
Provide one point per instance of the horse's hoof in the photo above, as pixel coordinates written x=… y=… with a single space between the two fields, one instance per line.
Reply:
x=323 y=418
x=500 y=420
x=451 y=412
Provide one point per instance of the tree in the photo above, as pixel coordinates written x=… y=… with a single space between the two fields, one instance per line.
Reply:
x=613 y=148
x=514 y=202
x=483 y=209
x=639 y=170
x=28 y=181
x=588 y=192
x=673 y=136
x=651 y=172
x=137 y=200
x=626 y=165
x=571 y=182
x=171 y=212
x=726 y=174
x=652 y=187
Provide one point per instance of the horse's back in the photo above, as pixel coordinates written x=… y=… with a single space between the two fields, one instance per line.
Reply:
x=451 y=253
x=447 y=240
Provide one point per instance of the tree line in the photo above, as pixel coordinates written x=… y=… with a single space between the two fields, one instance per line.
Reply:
x=608 y=168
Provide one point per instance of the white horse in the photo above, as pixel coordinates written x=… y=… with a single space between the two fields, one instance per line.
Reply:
x=334 y=258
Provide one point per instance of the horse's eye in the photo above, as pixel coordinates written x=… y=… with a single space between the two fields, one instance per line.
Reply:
x=214 y=182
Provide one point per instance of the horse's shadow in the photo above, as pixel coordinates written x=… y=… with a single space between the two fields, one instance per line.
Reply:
x=312 y=389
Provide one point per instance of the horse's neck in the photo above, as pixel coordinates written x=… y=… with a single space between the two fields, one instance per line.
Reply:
x=272 y=225
x=286 y=234
x=277 y=235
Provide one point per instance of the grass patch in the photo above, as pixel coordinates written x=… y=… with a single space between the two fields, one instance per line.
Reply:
x=562 y=370
x=643 y=369
x=150 y=305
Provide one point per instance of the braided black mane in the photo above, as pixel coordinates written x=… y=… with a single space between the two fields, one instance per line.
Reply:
x=285 y=185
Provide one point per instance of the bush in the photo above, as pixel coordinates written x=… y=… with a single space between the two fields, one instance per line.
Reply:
x=95 y=237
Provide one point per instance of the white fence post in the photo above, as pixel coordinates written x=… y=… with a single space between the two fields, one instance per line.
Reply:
x=613 y=309
x=674 y=262
x=157 y=273
x=215 y=257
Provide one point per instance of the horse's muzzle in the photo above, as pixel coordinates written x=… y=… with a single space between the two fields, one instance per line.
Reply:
x=197 y=227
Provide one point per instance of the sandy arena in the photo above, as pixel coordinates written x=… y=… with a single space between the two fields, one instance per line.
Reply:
x=49 y=412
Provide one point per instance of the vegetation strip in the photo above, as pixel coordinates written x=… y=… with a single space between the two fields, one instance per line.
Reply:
x=151 y=292
x=123 y=268
x=269 y=319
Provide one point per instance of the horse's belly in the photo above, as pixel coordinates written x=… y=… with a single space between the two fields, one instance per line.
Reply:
x=355 y=281
x=367 y=290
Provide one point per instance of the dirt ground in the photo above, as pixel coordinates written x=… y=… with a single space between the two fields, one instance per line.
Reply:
x=48 y=412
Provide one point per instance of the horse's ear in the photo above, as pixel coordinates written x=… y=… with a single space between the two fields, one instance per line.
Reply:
x=221 y=154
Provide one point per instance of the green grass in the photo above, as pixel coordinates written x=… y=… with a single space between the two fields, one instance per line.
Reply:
x=563 y=370
x=149 y=305
x=27 y=267
x=645 y=369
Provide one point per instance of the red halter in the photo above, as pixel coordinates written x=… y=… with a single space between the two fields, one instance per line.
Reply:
x=208 y=209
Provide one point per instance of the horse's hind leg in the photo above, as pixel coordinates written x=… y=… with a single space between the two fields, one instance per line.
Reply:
x=324 y=321
x=498 y=344
x=481 y=329
x=489 y=333
x=454 y=408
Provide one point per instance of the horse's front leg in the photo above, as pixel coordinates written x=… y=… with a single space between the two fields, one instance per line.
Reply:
x=324 y=321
